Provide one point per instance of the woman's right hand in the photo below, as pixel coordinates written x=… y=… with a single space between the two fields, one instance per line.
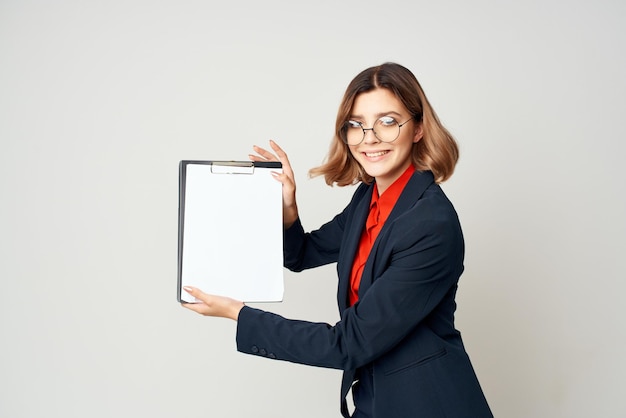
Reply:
x=290 y=209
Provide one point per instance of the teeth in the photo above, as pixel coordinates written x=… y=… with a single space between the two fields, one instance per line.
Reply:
x=375 y=154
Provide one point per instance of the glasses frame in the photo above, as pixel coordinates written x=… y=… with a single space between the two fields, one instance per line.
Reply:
x=344 y=136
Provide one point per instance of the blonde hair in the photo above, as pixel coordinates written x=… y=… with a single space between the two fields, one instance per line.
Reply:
x=437 y=151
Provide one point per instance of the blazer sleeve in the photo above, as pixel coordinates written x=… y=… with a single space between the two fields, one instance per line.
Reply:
x=304 y=250
x=424 y=263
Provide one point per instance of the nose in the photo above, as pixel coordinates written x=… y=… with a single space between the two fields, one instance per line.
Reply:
x=370 y=138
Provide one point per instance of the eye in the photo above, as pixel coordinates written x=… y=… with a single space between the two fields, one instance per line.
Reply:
x=352 y=124
x=387 y=121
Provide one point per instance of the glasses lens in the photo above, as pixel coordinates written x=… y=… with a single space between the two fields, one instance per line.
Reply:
x=353 y=133
x=387 y=129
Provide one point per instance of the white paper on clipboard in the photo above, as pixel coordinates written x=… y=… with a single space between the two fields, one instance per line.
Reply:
x=230 y=230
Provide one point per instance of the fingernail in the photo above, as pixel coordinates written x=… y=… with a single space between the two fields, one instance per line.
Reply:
x=187 y=289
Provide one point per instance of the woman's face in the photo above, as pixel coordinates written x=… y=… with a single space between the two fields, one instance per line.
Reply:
x=385 y=161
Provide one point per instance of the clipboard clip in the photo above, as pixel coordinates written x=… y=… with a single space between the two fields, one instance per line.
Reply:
x=232 y=167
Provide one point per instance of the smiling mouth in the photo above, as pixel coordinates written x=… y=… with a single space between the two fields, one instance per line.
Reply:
x=375 y=154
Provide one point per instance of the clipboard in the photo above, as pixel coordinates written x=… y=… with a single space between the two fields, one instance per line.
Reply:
x=230 y=230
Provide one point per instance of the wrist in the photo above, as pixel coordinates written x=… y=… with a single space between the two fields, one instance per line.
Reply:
x=235 y=310
x=290 y=216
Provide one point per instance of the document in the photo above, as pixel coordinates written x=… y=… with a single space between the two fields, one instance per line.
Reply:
x=230 y=230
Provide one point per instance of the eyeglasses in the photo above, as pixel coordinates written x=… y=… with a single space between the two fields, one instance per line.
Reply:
x=386 y=129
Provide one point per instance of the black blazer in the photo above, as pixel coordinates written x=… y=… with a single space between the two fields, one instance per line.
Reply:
x=402 y=328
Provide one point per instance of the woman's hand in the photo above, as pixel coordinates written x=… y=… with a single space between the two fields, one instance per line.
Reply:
x=290 y=209
x=211 y=305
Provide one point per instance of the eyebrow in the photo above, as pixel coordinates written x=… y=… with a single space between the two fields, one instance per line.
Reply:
x=377 y=115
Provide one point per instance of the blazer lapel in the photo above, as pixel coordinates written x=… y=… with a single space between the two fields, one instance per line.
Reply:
x=350 y=242
x=412 y=192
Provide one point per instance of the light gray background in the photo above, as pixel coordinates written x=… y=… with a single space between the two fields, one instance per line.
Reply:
x=99 y=101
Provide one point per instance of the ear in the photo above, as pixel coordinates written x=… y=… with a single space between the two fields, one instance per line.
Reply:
x=419 y=133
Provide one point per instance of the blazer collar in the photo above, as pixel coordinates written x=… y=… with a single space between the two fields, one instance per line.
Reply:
x=413 y=191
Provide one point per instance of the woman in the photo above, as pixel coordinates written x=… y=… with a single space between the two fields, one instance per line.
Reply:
x=399 y=252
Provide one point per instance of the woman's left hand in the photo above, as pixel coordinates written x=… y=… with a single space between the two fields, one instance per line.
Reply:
x=287 y=178
x=212 y=305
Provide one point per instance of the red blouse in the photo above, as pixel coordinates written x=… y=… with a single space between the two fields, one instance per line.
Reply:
x=380 y=208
